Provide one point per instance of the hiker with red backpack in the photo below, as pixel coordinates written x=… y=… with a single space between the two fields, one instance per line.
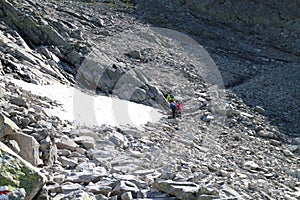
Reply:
x=179 y=107
x=176 y=107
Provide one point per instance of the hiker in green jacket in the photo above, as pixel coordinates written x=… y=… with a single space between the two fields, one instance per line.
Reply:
x=171 y=97
x=172 y=102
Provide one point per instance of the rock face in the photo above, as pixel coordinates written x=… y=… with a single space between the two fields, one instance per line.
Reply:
x=271 y=22
x=220 y=148
x=17 y=174
x=36 y=29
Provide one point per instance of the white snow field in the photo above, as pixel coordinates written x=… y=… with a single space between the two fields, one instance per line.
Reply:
x=92 y=110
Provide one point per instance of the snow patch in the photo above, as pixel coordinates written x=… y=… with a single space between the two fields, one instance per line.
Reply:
x=92 y=110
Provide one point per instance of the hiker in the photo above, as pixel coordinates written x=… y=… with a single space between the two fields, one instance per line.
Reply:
x=179 y=107
x=173 y=108
x=172 y=102
x=170 y=98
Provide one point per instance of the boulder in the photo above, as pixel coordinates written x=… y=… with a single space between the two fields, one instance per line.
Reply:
x=18 y=173
x=68 y=187
x=118 y=139
x=125 y=186
x=86 y=141
x=64 y=142
x=126 y=85
x=136 y=54
x=19 y=101
x=29 y=147
x=207 y=117
x=7 y=127
x=86 y=177
x=102 y=187
x=79 y=194
x=138 y=95
x=182 y=190
x=265 y=134
x=100 y=72
x=67 y=162
x=96 y=70
x=251 y=165
x=260 y=109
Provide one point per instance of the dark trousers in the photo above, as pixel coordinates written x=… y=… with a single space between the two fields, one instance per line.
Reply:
x=173 y=113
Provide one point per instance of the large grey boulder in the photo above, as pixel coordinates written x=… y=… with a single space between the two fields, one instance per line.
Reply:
x=99 y=72
x=18 y=173
x=28 y=146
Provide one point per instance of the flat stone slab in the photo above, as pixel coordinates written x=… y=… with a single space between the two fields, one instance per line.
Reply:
x=182 y=190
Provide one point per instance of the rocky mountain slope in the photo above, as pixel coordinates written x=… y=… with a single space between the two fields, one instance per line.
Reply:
x=255 y=45
x=221 y=148
x=272 y=23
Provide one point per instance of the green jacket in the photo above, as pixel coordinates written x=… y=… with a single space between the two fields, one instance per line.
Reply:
x=170 y=97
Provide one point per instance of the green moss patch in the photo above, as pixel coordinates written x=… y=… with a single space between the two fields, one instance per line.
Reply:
x=15 y=174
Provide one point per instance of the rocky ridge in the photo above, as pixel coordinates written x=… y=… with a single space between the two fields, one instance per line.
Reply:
x=217 y=150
